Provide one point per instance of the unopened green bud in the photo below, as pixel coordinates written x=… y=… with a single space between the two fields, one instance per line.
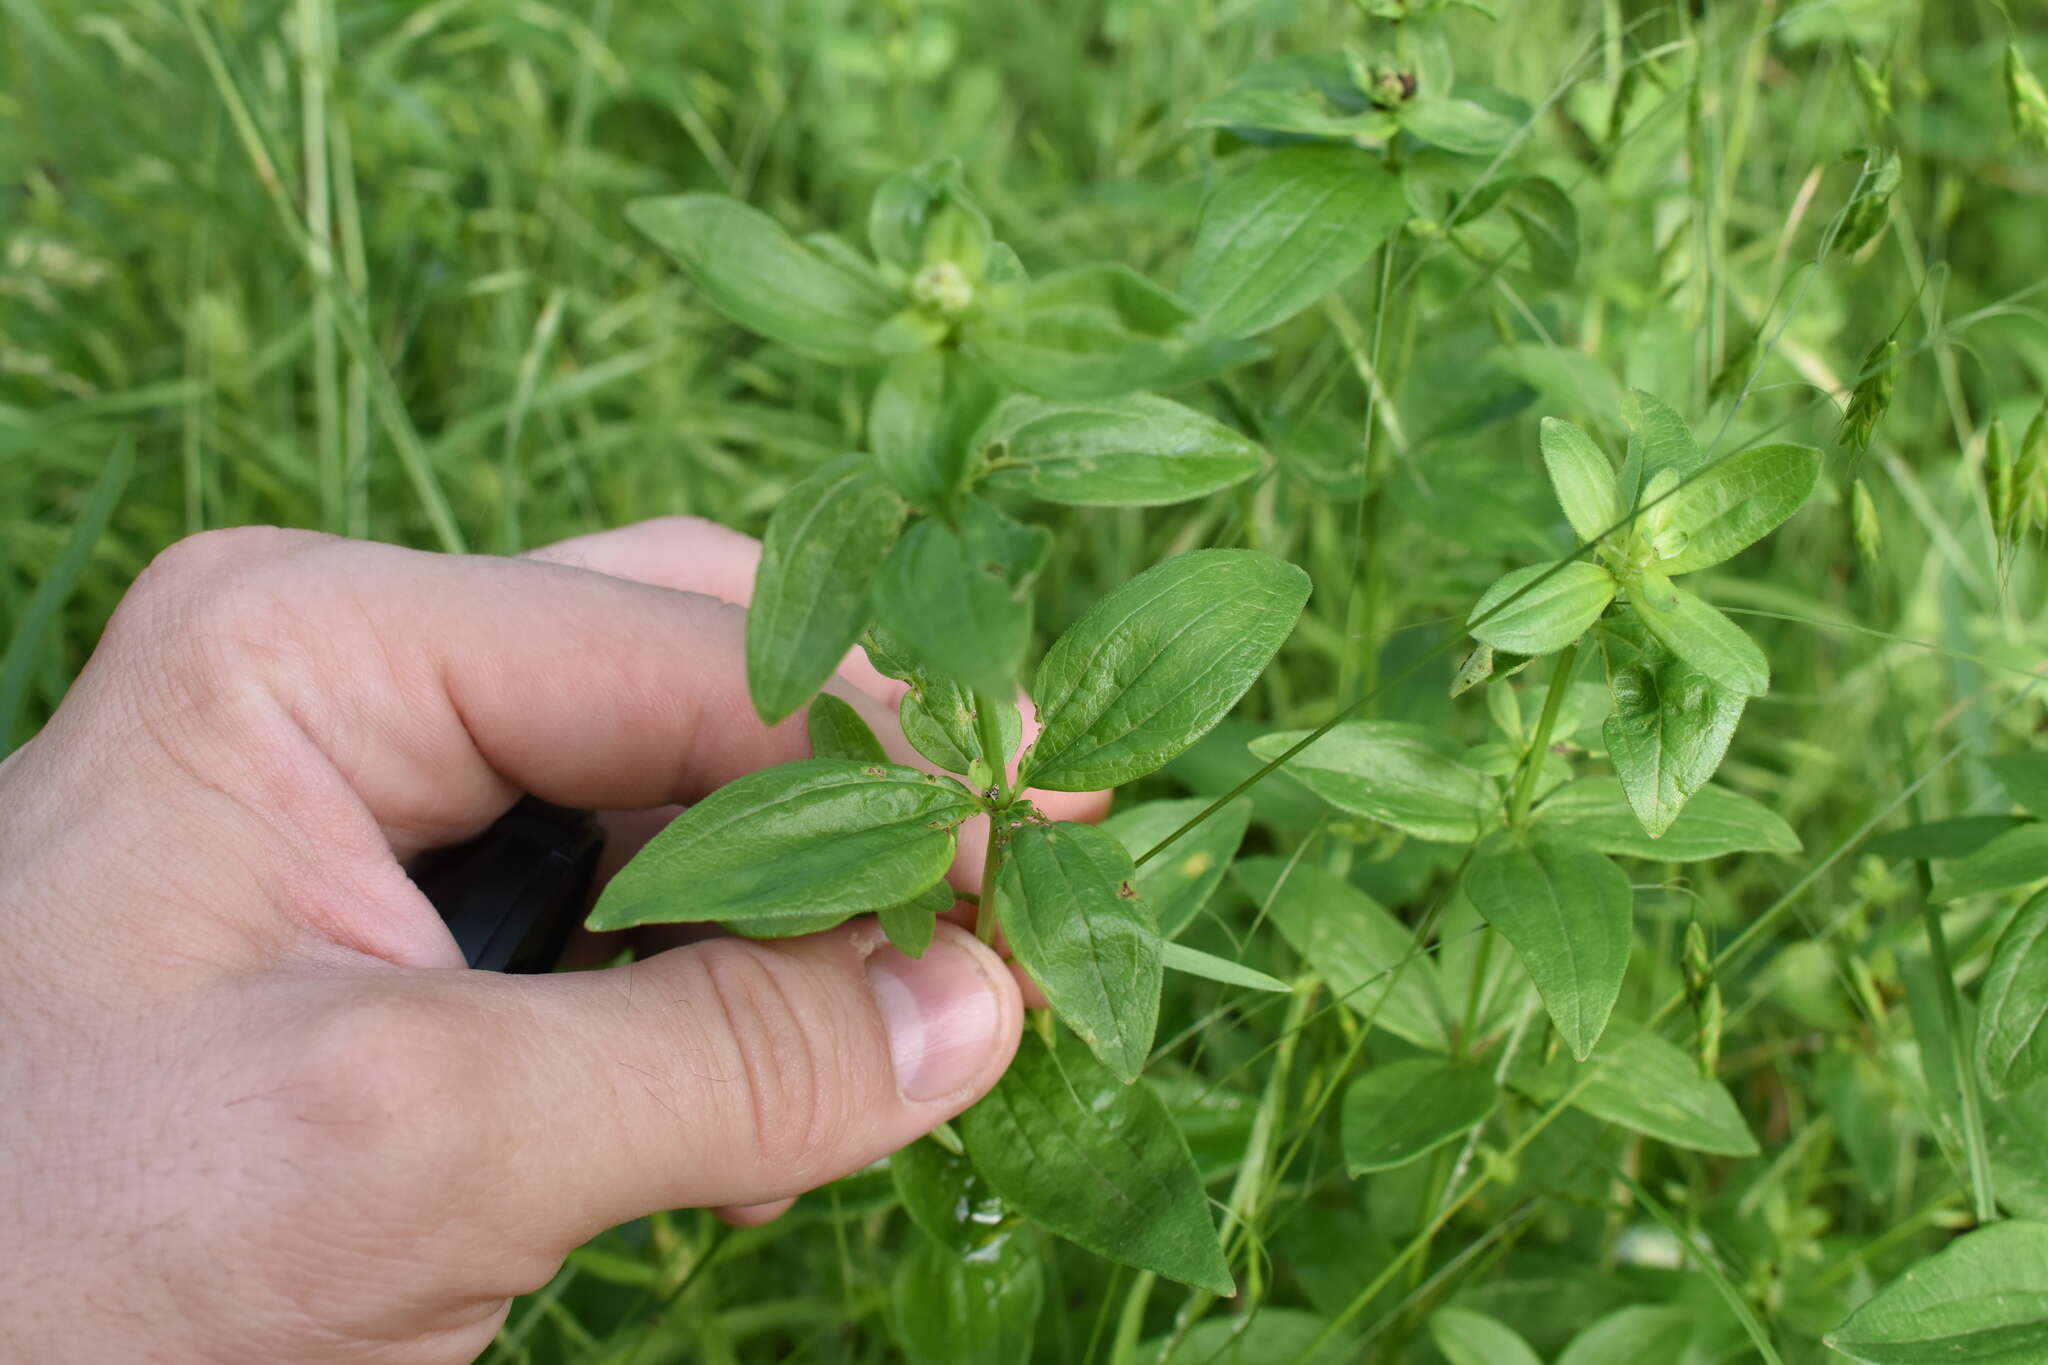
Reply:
x=1874 y=86
x=2027 y=101
x=1999 y=486
x=958 y=233
x=1864 y=524
x=942 y=289
x=1872 y=396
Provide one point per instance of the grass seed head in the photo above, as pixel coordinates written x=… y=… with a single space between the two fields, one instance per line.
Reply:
x=1875 y=86
x=2030 y=475
x=1871 y=397
x=1870 y=207
x=1863 y=522
x=1999 y=484
x=2026 y=100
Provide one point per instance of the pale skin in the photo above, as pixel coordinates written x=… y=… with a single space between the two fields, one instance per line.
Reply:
x=256 y=1107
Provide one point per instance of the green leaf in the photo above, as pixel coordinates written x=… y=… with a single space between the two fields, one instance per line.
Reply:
x=1193 y=961
x=1669 y=728
x=1568 y=911
x=1564 y=378
x=1366 y=956
x=1734 y=502
x=1474 y=968
x=1546 y=617
x=1076 y=924
x=1582 y=479
x=1595 y=812
x=1091 y=332
x=945 y=1197
x=1549 y=225
x=1178 y=883
x=837 y=731
x=1311 y=96
x=1398 y=1112
x=1283 y=229
x=1633 y=1336
x=959 y=596
x=1469 y=1338
x=1984 y=1297
x=1700 y=635
x=2024 y=776
x=1407 y=776
x=825 y=544
x=791 y=844
x=975 y=1310
x=1098 y=1162
x=1457 y=125
x=1662 y=441
x=1152 y=667
x=1645 y=1084
x=910 y=925
x=1262 y=1337
x=763 y=279
x=1954 y=838
x=938 y=714
x=922 y=421
x=2016 y=858
x=2012 y=1016
x=1135 y=451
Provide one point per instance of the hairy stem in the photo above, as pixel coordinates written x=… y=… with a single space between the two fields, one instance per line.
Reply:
x=991 y=869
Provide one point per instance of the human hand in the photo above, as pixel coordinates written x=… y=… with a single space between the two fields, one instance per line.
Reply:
x=256 y=1106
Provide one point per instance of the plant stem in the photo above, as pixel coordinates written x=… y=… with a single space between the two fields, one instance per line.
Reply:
x=1470 y=1026
x=1962 y=1056
x=1962 y=1052
x=988 y=729
x=1539 y=743
x=991 y=868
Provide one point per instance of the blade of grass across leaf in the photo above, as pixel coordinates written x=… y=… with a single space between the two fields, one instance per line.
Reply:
x=1403 y=1110
x=1153 y=666
x=1177 y=888
x=1098 y=1162
x=1077 y=925
x=1568 y=912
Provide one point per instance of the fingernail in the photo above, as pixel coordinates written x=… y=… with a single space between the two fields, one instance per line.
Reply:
x=941 y=1012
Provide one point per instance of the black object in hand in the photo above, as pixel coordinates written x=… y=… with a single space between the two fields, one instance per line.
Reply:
x=512 y=894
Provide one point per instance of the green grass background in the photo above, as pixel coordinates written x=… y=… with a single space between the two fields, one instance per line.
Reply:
x=361 y=267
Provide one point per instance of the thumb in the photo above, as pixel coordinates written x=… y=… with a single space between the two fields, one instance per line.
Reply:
x=733 y=1072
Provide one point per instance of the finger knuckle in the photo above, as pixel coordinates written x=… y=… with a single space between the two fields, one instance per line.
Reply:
x=211 y=593
x=786 y=1064
x=200 y=566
